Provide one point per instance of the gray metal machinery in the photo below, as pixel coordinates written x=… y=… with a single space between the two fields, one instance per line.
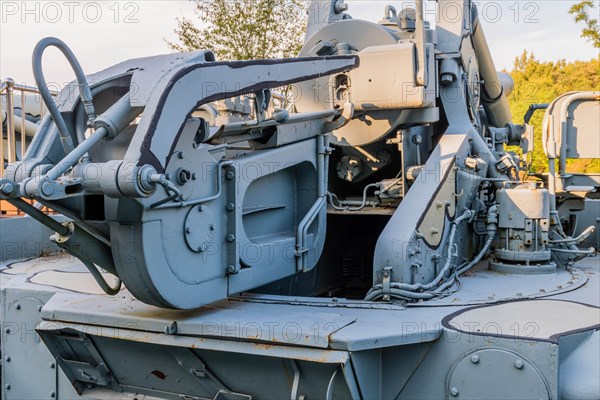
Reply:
x=360 y=220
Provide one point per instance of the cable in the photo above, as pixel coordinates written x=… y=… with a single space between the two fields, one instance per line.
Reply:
x=409 y=292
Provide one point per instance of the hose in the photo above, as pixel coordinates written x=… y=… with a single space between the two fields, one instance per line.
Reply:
x=584 y=235
x=84 y=88
x=475 y=261
x=405 y=291
x=588 y=252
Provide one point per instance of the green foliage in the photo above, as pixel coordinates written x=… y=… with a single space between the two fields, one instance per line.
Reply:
x=244 y=29
x=582 y=12
x=542 y=82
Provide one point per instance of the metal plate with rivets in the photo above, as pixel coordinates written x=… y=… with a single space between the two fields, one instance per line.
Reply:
x=496 y=374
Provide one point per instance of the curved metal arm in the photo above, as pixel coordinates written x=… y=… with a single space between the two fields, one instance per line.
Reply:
x=106 y=288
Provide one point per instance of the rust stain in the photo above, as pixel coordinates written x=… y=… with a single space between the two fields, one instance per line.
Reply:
x=159 y=374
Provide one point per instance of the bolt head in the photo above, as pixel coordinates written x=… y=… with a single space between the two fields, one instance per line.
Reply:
x=230 y=207
x=519 y=364
x=230 y=237
x=52 y=365
x=7 y=386
x=474 y=358
x=201 y=208
x=7 y=358
x=17 y=306
x=230 y=175
x=7 y=188
x=231 y=269
x=47 y=189
x=454 y=392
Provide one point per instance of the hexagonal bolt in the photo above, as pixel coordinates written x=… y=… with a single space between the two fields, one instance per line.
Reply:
x=230 y=206
x=230 y=238
x=474 y=358
x=519 y=364
x=231 y=269
x=230 y=175
x=454 y=392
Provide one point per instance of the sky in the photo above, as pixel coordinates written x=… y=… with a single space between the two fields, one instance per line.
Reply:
x=103 y=33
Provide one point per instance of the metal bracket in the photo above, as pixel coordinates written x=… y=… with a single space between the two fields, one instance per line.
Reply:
x=387 y=279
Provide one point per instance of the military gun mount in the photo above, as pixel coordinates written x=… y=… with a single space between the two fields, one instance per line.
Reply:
x=385 y=184
x=238 y=195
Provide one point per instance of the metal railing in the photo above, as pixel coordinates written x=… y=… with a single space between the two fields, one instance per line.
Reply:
x=7 y=89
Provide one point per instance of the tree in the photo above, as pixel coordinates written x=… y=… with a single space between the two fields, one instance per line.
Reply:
x=582 y=12
x=244 y=29
x=542 y=82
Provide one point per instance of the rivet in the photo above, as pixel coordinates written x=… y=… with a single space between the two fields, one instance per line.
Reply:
x=454 y=392
x=474 y=358
x=519 y=364
x=230 y=237
x=230 y=207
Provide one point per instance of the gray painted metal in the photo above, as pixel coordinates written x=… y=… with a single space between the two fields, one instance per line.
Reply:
x=201 y=198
